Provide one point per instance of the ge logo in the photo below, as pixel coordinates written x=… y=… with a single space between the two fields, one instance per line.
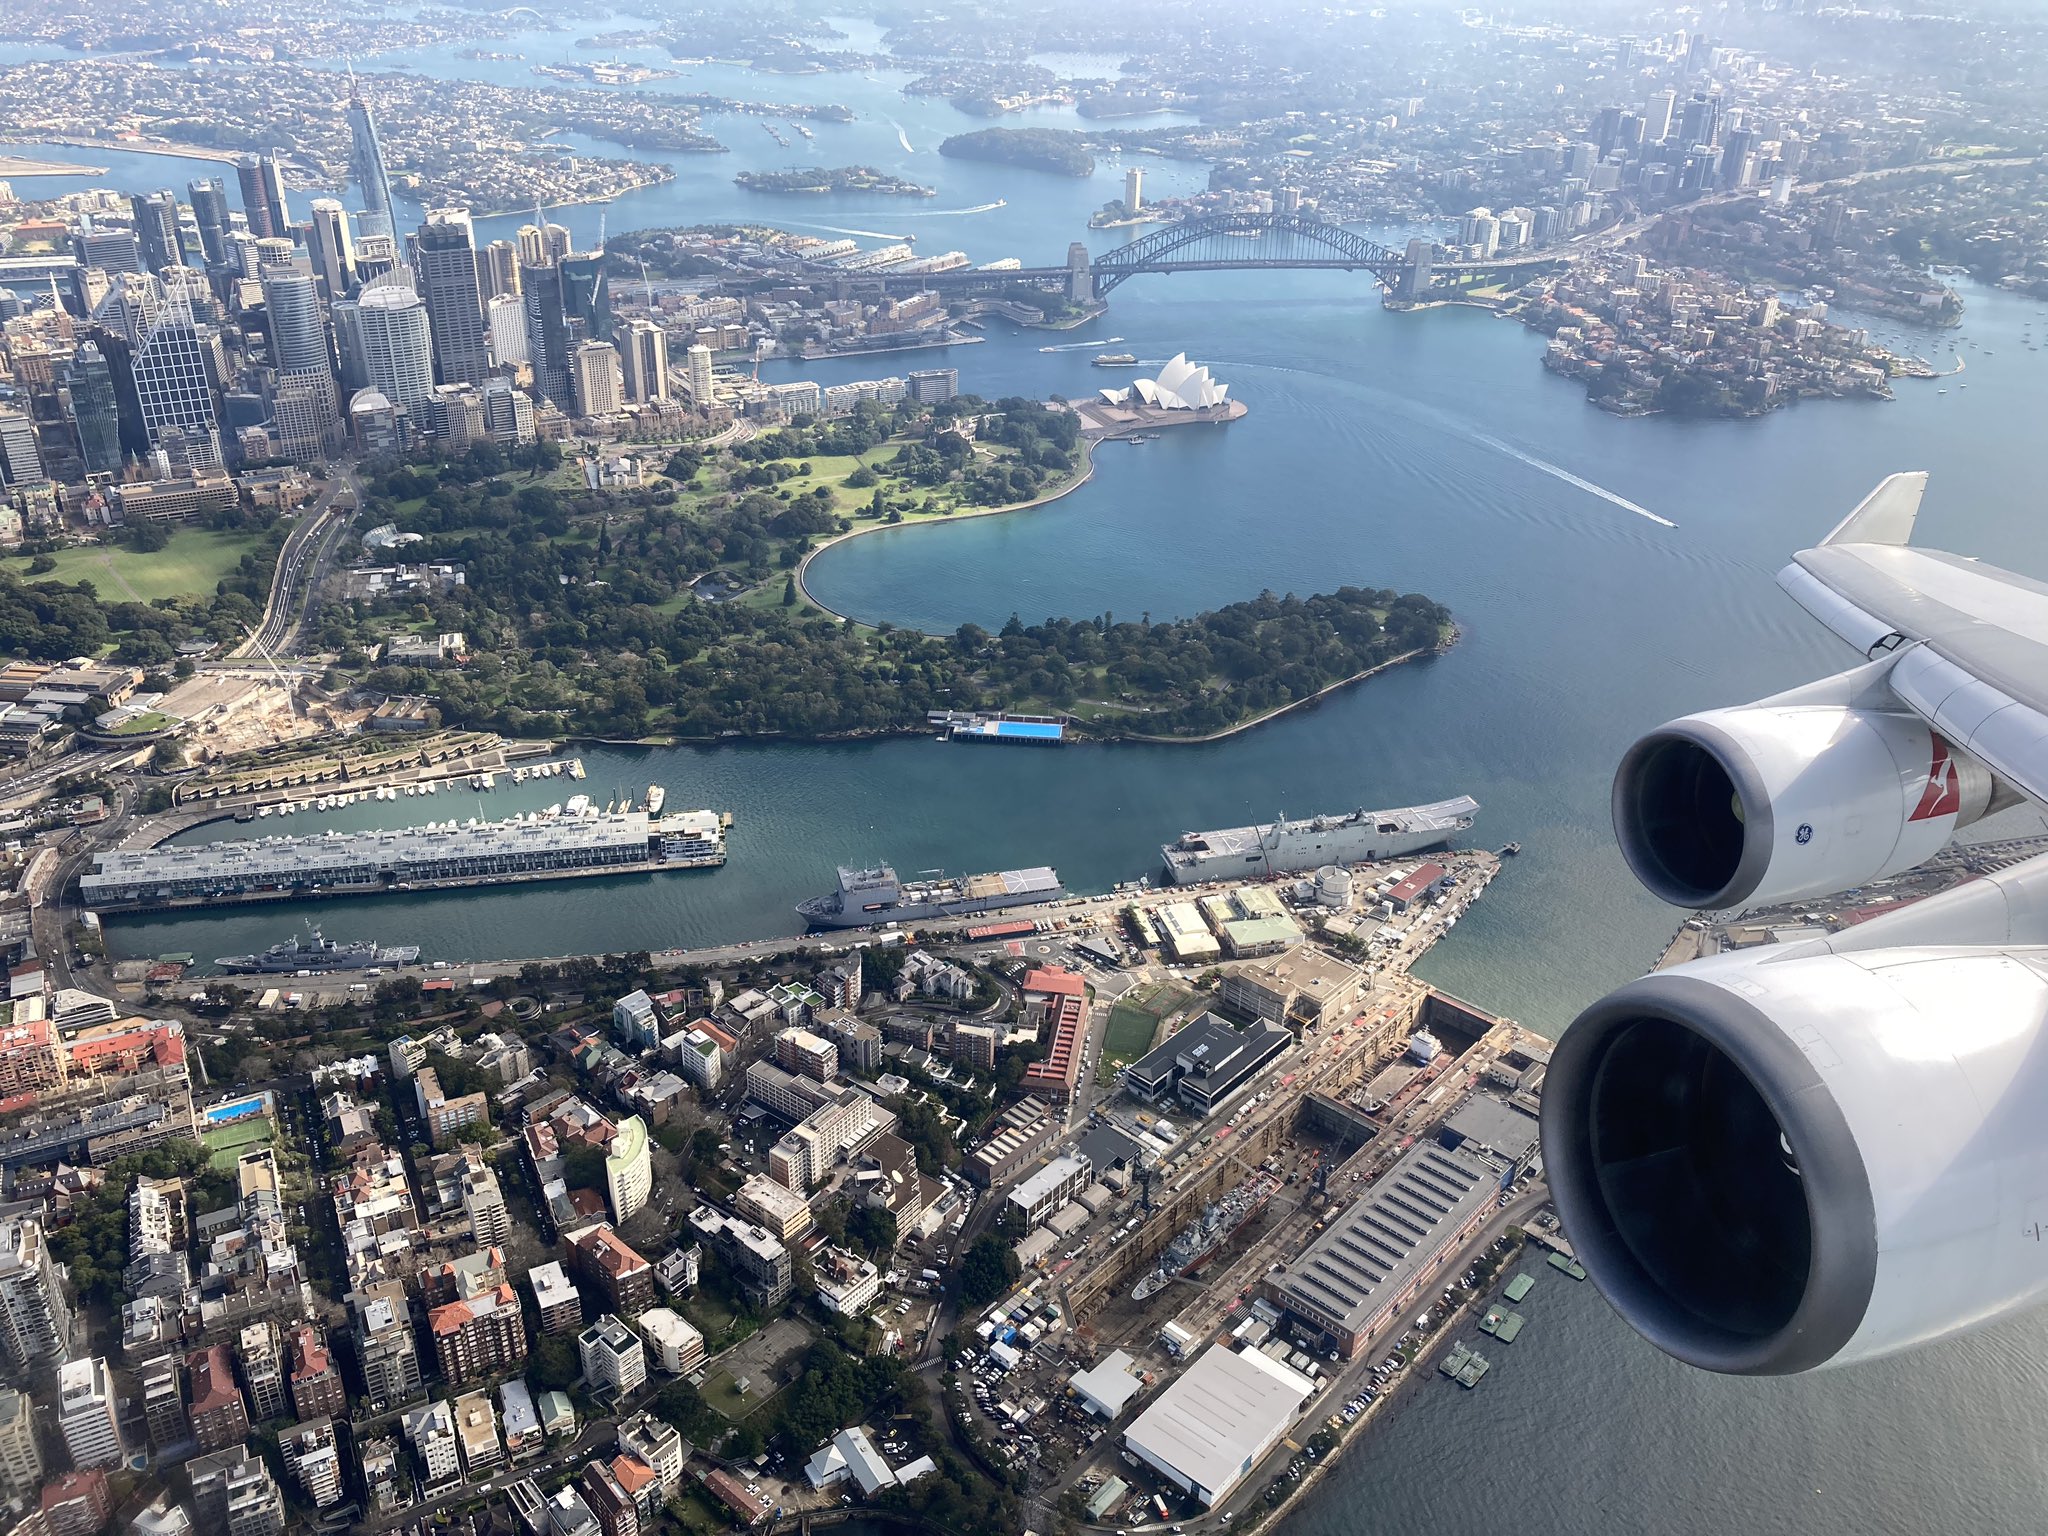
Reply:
x=1804 y=835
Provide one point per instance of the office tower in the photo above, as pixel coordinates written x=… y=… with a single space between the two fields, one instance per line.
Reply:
x=931 y=386
x=1657 y=116
x=697 y=365
x=497 y=266
x=298 y=331
x=1134 y=189
x=376 y=255
x=343 y=319
x=598 y=386
x=1607 y=130
x=334 y=258
x=87 y=1413
x=1579 y=160
x=113 y=250
x=366 y=163
x=507 y=315
x=156 y=227
x=20 y=462
x=508 y=412
x=175 y=390
x=1628 y=136
x=396 y=337
x=547 y=331
x=209 y=198
x=533 y=251
x=444 y=255
x=263 y=195
x=35 y=1319
x=1625 y=53
x=1700 y=123
x=587 y=296
x=21 y=1464
x=93 y=413
x=645 y=358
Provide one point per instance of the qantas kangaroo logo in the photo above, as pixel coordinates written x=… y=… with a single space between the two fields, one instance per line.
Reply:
x=1943 y=795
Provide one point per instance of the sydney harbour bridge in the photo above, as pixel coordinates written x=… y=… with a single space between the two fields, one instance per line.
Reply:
x=1231 y=242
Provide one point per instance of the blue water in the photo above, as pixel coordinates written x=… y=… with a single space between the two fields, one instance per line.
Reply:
x=1422 y=451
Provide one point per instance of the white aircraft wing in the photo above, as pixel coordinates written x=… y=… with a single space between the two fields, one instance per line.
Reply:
x=1971 y=639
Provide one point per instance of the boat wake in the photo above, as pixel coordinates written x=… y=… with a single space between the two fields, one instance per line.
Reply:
x=903 y=138
x=949 y=213
x=1082 y=346
x=1558 y=472
x=835 y=229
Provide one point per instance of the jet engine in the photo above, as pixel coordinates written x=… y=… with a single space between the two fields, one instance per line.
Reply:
x=1785 y=799
x=1774 y=1164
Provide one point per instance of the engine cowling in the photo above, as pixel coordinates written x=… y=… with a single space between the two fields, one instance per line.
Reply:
x=1774 y=1165
x=1777 y=802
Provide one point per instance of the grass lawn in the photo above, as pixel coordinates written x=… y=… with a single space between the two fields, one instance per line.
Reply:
x=698 y=1512
x=1134 y=1020
x=143 y=724
x=712 y=1317
x=191 y=565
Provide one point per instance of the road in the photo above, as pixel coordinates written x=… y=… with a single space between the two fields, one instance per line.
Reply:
x=302 y=565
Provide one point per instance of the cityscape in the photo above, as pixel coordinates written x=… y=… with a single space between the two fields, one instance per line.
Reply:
x=520 y=1015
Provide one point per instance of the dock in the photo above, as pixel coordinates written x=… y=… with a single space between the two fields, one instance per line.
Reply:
x=1502 y=1324
x=1465 y=1365
x=1519 y=1287
x=1569 y=1265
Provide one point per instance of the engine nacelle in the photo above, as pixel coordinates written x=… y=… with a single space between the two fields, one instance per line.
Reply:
x=1782 y=800
x=1770 y=1165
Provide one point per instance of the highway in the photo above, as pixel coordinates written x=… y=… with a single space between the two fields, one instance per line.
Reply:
x=302 y=565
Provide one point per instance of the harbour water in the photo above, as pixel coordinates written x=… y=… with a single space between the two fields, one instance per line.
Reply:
x=1426 y=452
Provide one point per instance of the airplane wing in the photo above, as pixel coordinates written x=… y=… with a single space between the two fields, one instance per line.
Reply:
x=1971 y=639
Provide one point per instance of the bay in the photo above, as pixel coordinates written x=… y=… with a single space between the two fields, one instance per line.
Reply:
x=1418 y=451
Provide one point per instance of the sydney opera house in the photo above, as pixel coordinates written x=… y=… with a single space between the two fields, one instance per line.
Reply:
x=1183 y=395
x=1181 y=386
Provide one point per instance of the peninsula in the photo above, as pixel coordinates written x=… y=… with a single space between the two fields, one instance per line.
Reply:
x=816 y=180
x=1037 y=149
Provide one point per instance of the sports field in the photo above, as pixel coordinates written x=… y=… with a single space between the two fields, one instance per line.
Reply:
x=228 y=1142
x=1134 y=1020
x=190 y=565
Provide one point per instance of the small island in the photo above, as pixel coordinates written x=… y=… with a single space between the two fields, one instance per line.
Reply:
x=816 y=180
x=1040 y=149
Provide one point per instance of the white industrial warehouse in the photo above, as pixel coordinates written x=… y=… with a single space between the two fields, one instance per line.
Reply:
x=1216 y=1422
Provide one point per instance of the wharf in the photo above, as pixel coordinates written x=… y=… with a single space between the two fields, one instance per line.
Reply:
x=1465 y=1365
x=1569 y=1265
x=1519 y=1287
x=1502 y=1324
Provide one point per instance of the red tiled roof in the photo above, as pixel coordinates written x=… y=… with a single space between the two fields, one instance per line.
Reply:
x=1053 y=979
x=633 y=1473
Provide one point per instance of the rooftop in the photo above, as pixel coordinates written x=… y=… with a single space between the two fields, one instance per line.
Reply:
x=1218 y=1417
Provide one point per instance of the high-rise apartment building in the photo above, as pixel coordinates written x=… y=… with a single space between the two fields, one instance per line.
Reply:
x=697 y=373
x=21 y=1464
x=497 y=266
x=385 y=1346
x=35 y=1319
x=309 y=1450
x=219 y=1416
x=316 y=1385
x=233 y=1494
x=478 y=1337
x=88 y=1414
x=444 y=255
x=260 y=1349
x=21 y=462
x=614 y=1359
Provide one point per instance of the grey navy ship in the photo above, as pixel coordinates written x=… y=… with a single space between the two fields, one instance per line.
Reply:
x=1195 y=1244
x=311 y=952
x=867 y=896
x=1286 y=847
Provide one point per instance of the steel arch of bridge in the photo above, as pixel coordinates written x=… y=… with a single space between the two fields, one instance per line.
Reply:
x=1215 y=243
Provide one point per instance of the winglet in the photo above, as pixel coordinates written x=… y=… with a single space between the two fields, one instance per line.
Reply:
x=1886 y=515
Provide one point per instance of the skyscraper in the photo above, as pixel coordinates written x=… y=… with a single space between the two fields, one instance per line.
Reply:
x=587 y=296
x=1657 y=116
x=444 y=254
x=1701 y=121
x=375 y=255
x=547 y=331
x=596 y=366
x=507 y=312
x=392 y=327
x=176 y=394
x=497 y=267
x=20 y=462
x=298 y=333
x=112 y=250
x=209 y=199
x=645 y=357
x=263 y=195
x=93 y=413
x=156 y=227
x=697 y=362
x=366 y=163
x=334 y=260
x=88 y=1413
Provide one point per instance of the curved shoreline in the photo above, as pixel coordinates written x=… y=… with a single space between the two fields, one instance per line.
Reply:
x=803 y=566
x=1280 y=709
